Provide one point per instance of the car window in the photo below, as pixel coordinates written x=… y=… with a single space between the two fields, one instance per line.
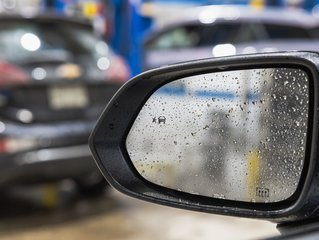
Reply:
x=275 y=31
x=223 y=32
x=201 y=35
x=22 y=41
x=315 y=32
x=180 y=37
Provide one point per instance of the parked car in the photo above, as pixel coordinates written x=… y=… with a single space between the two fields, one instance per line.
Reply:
x=268 y=166
x=55 y=77
x=214 y=31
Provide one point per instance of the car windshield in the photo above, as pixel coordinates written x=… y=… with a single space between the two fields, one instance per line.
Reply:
x=59 y=41
x=224 y=32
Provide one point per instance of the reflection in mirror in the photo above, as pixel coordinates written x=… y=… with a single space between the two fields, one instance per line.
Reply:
x=236 y=135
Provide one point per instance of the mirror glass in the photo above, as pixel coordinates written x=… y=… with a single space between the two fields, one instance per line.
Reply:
x=236 y=135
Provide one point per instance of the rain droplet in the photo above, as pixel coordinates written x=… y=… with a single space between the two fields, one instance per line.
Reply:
x=206 y=127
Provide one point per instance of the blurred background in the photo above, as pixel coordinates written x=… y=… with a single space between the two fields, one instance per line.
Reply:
x=60 y=63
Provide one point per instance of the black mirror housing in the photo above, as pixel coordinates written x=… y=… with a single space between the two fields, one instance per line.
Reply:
x=107 y=141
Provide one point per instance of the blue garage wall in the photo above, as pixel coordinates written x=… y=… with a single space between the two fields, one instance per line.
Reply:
x=129 y=30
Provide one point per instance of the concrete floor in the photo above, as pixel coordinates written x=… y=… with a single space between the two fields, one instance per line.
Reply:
x=118 y=217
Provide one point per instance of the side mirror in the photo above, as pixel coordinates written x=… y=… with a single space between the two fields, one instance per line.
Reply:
x=234 y=136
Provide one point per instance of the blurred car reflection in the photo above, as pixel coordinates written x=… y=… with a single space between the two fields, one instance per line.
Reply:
x=215 y=31
x=55 y=77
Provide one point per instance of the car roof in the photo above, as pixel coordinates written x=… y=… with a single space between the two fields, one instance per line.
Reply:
x=210 y=14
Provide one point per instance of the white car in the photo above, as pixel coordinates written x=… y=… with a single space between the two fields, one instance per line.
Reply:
x=215 y=31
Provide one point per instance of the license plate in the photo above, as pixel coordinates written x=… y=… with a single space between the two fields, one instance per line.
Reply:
x=64 y=97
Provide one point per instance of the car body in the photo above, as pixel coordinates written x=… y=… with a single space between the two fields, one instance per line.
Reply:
x=55 y=76
x=214 y=31
x=52 y=46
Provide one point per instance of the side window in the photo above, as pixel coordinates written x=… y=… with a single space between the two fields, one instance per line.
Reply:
x=202 y=35
x=276 y=31
x=286 y=32
x=225 y=32
x=244 y=34
x=314 y=32
x=181 y=37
